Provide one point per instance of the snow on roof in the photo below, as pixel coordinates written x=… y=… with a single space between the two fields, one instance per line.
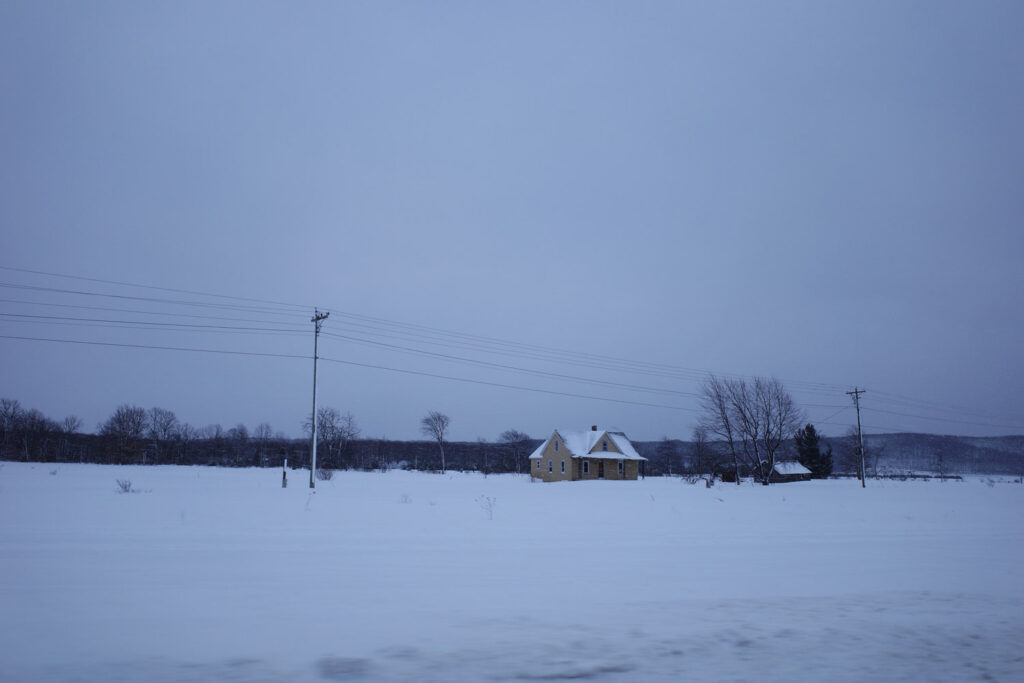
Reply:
x=540 y=449
x=790 y=467
x=580 y=443
x=624 y=444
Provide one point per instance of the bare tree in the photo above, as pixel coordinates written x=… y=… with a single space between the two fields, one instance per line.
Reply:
x=238 y=443
x=162 y=429
x=67 y=429
x=518 y=442
x=334 y=431
x=35 y=431
x=348 y=431
x=757 y=416
x=705 y=459
x=10 y=414
x=239 y=433
x=187 y=434
x=263 y=434
x=126 y=427
x=435 y=425
x=162 y=425
x=718 y=418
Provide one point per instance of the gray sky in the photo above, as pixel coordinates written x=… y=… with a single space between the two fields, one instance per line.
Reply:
x=825 y=192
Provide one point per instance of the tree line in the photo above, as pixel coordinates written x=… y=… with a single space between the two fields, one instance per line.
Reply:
x=764 y=428
x=136 y=435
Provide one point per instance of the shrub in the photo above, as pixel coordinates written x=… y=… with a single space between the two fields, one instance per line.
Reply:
x=487 y=505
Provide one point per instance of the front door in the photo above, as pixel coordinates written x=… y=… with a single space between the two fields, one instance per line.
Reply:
x=600 y=469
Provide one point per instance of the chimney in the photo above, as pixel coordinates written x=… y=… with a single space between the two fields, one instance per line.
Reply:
x=593 y=428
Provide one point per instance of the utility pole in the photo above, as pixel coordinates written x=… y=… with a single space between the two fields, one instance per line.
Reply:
x=860 y=437
x=317 y=320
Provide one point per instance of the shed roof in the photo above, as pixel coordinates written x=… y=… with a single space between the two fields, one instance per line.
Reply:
x=790 y=467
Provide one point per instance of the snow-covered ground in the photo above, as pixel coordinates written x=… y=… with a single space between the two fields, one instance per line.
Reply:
x=220 y=574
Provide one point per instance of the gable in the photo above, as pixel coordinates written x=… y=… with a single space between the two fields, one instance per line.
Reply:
x=625 y=446
x=548 y=448
x=604 y=444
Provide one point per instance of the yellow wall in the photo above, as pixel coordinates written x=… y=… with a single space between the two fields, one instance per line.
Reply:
x=555 y=458
x=630 y=468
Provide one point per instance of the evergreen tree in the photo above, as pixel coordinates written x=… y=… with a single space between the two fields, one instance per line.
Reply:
x=826 y=463
x=809 y=453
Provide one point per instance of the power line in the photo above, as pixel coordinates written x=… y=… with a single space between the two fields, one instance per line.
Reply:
x=346 y=362
x=527 y=355
x=506 y=386
x=897 y=399
x=179 y=302
x=120 y=324
x=146 y=323
x=418 y=334
x=138 y=311
x=541 y=373
x=561 y=355
x=826 y=420
x=155 y=347
x=943 y=419
x=501 y=366
x=162 y=289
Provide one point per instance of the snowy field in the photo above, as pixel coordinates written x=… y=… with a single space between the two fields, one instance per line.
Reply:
x=209 y=574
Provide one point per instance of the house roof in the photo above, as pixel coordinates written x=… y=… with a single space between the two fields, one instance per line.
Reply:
x=790 y=467
x=580 y=443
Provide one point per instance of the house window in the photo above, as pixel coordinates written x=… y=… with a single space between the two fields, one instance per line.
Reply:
x=556 y=445
x=563 y=467
x=538 y=464
x=586 y=467
x=620 y=468
x=550 y=467
x=604 y=445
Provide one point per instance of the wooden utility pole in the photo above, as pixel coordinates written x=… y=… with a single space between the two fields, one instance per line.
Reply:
x=860 y=437
x=317 y=319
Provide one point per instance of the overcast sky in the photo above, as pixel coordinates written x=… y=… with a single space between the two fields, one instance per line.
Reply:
x=828 y=193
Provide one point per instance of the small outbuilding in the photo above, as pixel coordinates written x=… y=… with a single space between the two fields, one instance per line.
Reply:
x=790 y=471
x=594 y=454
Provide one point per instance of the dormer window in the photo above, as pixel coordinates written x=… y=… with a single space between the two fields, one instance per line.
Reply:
x=604 y=445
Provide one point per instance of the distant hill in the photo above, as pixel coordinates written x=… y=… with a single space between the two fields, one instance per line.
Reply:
x=884 y=454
